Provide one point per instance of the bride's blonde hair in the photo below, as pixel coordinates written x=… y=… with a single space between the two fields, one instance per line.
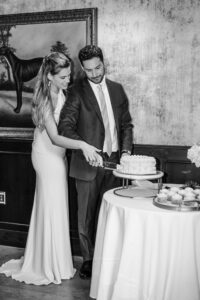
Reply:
x=42 y=103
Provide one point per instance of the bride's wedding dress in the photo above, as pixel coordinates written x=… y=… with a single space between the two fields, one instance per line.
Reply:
x=47 y=258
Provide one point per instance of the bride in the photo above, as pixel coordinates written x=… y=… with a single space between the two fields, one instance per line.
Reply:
x=47 y=258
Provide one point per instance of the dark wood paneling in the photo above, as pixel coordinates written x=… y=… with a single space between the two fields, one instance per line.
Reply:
x=17 y=179
x=172 y=160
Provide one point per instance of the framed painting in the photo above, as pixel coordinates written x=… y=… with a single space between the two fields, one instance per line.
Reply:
x=24 y=40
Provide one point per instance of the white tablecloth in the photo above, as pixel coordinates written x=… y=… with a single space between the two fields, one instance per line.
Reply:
x=144 y=252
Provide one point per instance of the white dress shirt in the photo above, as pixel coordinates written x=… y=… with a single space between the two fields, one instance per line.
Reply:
x=112 y=125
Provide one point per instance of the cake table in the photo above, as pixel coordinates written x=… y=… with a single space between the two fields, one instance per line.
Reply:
x=145 y=252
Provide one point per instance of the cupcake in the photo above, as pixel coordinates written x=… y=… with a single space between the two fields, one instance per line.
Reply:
x=176 y=198
x=162 y=197
x=166 y=191
x=197 y=191
x=175 y=189
x=170 y=195
x=189 y=196
x=182 y=192
x=189 y=189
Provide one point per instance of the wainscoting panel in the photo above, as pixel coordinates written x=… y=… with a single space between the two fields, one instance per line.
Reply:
x=17 y=179
x=172 y=160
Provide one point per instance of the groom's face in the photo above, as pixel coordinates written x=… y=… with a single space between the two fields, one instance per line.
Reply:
x=94 y=69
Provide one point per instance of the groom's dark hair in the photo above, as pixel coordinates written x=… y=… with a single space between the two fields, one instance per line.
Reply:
x=89 y=52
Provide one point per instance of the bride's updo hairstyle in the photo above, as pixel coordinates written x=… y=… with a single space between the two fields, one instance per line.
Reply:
x=42 y=105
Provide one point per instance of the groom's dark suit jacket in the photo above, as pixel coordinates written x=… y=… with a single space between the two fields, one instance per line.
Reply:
x=81 y=119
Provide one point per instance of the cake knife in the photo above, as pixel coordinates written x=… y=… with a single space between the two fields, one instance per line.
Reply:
x=110 y=165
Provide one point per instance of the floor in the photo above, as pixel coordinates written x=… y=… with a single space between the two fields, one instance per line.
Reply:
x=10 y=289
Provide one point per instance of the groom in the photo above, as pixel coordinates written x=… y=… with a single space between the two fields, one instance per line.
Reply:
x=96 y=111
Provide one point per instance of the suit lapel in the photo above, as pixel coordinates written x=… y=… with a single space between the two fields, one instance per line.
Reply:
x=92 y=99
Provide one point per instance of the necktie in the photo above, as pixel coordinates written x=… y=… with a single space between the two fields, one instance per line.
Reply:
x=104 y=113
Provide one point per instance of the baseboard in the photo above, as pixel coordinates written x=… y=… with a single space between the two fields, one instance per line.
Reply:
x=17 y=238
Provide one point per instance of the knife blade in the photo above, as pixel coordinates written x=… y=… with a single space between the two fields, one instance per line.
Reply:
x=110 y=165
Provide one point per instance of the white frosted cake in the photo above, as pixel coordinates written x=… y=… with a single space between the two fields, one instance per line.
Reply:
x=138 y=164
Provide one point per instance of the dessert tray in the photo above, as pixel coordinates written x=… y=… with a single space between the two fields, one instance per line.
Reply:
x=178 y=199
x=193 y=205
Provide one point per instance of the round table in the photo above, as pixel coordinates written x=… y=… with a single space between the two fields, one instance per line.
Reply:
x=143 y=252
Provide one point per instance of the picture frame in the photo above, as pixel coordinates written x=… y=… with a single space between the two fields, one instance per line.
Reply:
x=31 y=36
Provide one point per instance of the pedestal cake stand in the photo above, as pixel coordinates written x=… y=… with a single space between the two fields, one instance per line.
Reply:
x=122 y=191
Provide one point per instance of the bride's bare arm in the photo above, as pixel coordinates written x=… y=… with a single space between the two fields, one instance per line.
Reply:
x=89 y=151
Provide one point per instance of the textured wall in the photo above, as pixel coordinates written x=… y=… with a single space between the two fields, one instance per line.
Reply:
x=153 y=48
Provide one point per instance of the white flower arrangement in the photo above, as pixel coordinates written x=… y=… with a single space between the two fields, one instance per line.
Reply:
x=194 y=155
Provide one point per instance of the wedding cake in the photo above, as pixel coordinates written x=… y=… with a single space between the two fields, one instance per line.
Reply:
x=137 y=164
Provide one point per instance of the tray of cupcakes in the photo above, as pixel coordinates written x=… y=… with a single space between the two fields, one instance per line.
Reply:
x=183 y=198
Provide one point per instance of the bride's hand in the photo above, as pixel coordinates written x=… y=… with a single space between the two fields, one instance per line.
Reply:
x=91 y=155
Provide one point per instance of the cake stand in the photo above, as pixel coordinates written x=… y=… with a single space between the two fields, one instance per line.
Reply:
x=122 y=191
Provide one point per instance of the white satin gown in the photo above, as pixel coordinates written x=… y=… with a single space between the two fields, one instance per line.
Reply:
x=47 y=258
